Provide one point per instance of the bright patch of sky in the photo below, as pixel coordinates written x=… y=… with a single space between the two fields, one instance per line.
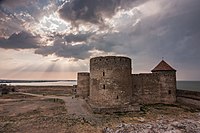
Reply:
x=53 y=23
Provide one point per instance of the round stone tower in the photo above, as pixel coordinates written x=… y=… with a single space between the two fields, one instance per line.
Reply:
x=110 y=81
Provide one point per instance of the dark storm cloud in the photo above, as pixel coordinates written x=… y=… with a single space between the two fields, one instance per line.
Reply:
x=10 y=23
x=16 y=3
x=22 y=40
x=12 y=20
x=175 y=33
x=60 y=49
x=172 y=33
x=110 y=42
x=77 y=37
x=18 y=15
x=66 y=48
x=93 y=11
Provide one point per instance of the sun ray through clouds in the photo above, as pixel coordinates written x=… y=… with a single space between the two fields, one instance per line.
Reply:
x=60 y=36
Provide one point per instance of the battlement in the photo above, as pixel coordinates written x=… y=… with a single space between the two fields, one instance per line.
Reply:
x=110 y=62
x=110 y=58
x=83 y=74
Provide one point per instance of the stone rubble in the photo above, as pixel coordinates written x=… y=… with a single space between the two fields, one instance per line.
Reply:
x=160 y=126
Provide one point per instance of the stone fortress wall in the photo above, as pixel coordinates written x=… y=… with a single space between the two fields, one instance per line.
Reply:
x=189 y=98
x=83 y=82
x=151 y=88
x=110 y=83
x=146 y=88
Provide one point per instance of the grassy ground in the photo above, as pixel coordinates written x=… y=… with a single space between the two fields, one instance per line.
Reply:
x=47 y=90
x=39 y=115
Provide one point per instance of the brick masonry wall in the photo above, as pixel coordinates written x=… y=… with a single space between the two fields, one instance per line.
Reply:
x=110 y=81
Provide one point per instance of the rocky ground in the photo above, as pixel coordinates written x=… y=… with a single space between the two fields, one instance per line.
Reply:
x=158 y=126
x=20 y=113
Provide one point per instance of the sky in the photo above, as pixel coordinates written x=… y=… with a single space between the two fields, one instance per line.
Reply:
x=54 y=39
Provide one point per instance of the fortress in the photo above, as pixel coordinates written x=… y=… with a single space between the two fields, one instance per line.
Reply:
x=111 y=87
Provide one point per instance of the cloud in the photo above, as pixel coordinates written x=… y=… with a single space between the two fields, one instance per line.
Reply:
x=93 y=11
x=19 y=15
x=170 y=32
x=9 y=23
x=16 y=3
x=21 y=40
x=78 y=37
x=174 y=33
x=60 y=49
x=67 y=47
x=150 y=35
x=55 y=60
x=141 y=29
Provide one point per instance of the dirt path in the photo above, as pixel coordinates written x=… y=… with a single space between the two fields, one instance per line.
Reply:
x=74 y=106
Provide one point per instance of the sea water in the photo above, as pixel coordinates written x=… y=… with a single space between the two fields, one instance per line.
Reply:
x=188 y=85
x=57 y=83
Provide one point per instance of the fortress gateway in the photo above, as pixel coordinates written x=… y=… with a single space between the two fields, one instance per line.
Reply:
x=111 y=87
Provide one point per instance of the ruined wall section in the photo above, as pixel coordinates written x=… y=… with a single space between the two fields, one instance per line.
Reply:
x=83 y=84
x=110 y=81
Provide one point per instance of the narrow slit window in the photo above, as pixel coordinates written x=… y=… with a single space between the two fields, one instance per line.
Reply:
x=103 y=73
x=104 y=86
x=169 y=92
x=117 y=97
